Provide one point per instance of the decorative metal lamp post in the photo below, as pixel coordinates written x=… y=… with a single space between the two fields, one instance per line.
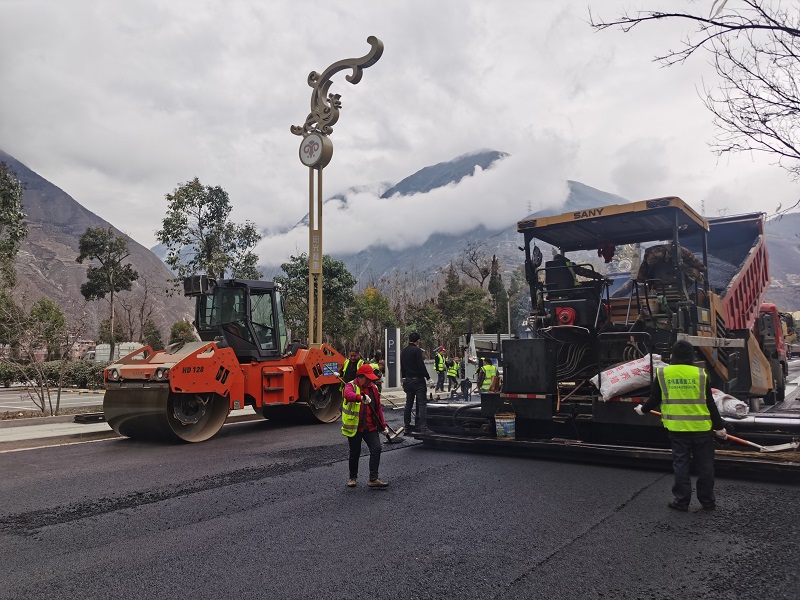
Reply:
x=316 y=151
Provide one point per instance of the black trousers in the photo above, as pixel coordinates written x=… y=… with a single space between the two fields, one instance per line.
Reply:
x=439 y=381
x=415 y=389
x=697 y=448
x=372 y=438
x=452 y=382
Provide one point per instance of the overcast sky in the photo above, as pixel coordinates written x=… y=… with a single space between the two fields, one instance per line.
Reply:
x=118 y=102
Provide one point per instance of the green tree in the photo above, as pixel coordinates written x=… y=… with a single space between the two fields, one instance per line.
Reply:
x=104 y=335
x=374 y=314
x=497 y=322
x=519 y=298
x=12 y=226
x=44 y=327
x=426 y=320
x=183 y=332
x=338 y=299
x=151 y=335
x=200 y=238
x=49 y=326
x=112 y=275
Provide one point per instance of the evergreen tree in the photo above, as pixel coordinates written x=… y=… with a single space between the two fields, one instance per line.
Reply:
x=111 y=275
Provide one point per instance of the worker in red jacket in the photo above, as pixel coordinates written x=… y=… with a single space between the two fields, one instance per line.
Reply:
x=362 y=419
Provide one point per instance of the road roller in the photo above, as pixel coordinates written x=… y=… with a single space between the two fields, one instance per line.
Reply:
x=244 y=358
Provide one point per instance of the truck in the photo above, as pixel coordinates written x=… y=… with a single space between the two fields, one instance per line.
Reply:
x=102 y=352
x=700 y=280
x=244 y=358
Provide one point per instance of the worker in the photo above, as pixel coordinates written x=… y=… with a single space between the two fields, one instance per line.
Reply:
x=559 y=260
x=362 y=419
x=439 y=367
x=689 y=414
x=452 y=373
x=415 y=375
x=657 y=264
x=485 y=374
x=351 y=365
x=378 y=366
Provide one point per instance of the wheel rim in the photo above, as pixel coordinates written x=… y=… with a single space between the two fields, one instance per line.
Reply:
x=196 y=417
x=325 y=403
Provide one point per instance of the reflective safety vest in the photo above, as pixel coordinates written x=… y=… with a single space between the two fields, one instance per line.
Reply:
x=350 y=413
x=453 y=370
x=438 y=362
x=683 y=398
x=489 y=372
x=344 y=370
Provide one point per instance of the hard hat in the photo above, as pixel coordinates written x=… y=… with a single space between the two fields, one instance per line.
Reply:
x=367 y=371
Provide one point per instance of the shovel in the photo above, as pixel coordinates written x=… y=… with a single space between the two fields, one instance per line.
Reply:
x=775 y=448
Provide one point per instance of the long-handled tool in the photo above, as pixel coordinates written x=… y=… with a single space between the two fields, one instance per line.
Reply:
x=393 y=436
x=775 y=448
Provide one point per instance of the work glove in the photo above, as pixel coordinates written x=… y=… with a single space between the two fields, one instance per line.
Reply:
x=366 y=399
x=721 y=433
x=638 y=409
x=386 y=431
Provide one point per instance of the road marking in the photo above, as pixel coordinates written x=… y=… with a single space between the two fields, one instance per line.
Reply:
x=57 y=445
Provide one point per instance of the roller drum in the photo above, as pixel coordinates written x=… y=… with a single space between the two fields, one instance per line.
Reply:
x=157 y=413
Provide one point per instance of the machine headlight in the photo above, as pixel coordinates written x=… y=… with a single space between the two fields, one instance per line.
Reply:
x=113 y=375
x=162 y=374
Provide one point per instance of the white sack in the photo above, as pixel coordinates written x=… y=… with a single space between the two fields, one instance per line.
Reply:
x=728 y=405
x=626 y=377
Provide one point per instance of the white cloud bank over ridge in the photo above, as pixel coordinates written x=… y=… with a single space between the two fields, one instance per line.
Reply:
x=496 y=197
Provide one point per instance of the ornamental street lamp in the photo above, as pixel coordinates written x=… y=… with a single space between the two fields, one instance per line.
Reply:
x=316 y=151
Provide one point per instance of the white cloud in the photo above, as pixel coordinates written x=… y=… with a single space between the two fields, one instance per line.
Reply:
x=119 y=102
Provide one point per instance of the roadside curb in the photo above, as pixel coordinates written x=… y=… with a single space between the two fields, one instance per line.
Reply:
x=41 y=442
x=85 y=436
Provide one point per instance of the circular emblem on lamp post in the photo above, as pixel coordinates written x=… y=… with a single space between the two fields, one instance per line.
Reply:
x=316 y=151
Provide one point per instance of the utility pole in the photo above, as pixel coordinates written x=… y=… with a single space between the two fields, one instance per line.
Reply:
x=316 y=151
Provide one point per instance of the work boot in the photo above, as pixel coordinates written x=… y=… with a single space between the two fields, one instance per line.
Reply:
x=351 y=482
x=378 y=484
x=674 y=505
x=711 y=506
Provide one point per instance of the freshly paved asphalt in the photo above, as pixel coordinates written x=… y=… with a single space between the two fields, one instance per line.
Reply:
x=261 y=511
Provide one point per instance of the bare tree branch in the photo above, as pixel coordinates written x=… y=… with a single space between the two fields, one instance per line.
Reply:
x=755 y=45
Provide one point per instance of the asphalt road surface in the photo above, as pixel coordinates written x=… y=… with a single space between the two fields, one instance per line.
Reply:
x=262 y=511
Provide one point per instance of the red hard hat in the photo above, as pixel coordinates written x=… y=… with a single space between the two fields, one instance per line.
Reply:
x=367 y=372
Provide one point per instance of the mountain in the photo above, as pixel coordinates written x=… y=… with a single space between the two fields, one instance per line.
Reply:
x=378 y=263
x=783 y=245
x=439 y=250
x=444 y=173
x=46 y=265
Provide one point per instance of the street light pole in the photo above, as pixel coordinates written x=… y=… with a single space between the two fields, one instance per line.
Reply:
x=316 y=151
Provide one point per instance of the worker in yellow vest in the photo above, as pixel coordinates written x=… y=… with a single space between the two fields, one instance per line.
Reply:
x=487 y=371
x=689 y=414
x=362 y=419
x=452 y=373
x=351 y=365
x=439 y=367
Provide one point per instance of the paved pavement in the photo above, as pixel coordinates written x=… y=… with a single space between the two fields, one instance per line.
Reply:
x=17 y=434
